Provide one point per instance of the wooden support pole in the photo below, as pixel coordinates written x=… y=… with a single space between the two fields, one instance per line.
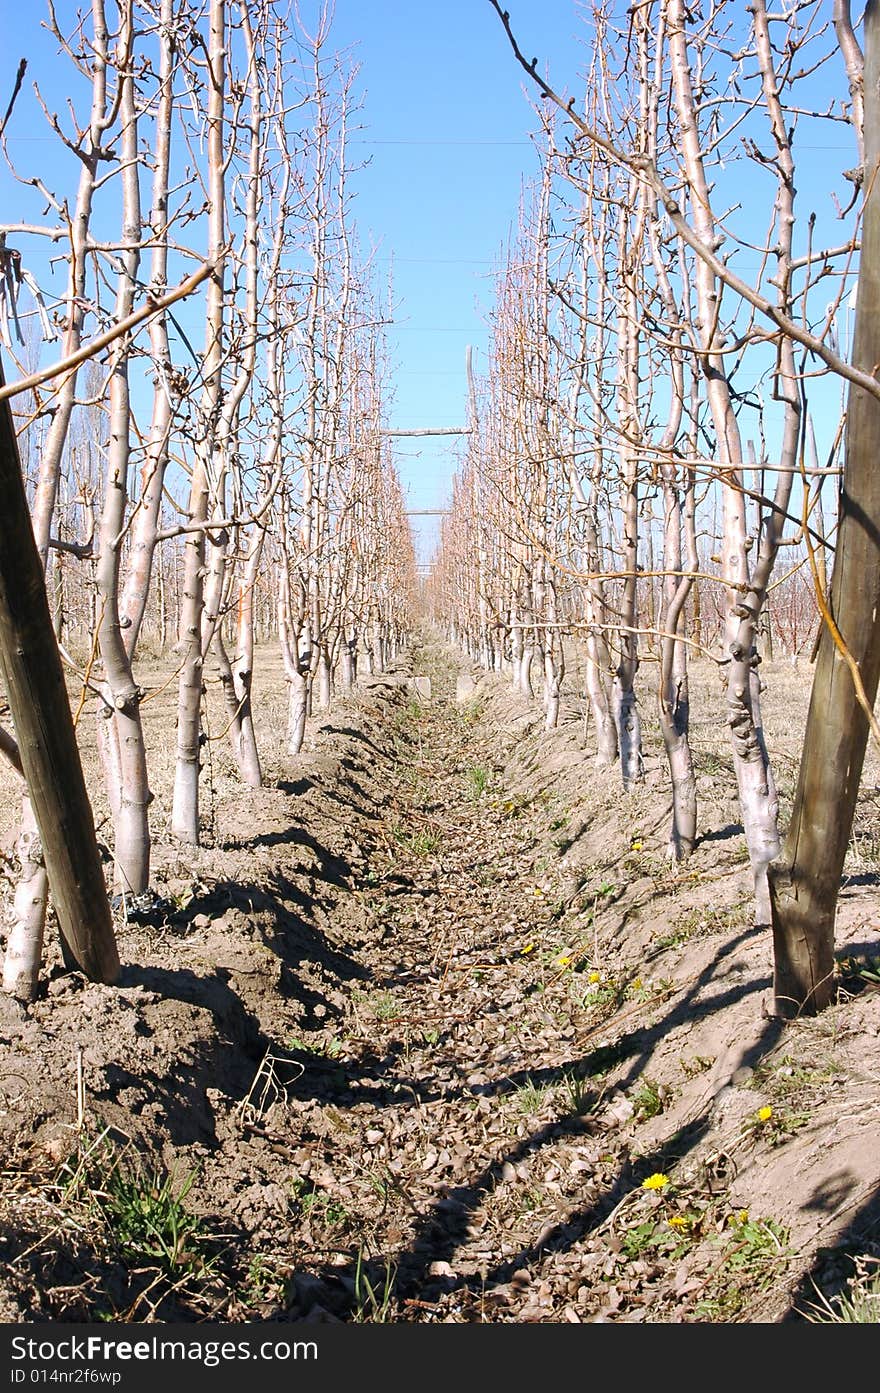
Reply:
x=32 y=672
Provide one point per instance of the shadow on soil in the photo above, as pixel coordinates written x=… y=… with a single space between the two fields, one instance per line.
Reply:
x=75 y=1281
x=834 y=1267
x=443 y=1229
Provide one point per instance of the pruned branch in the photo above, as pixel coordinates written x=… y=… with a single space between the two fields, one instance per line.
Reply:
x=153 y=305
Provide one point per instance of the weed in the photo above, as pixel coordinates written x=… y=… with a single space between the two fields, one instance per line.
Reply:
x=422 y=792
x=757 y=1243
x=531 y=1097
x=649 y=1099
x=143 y=1211
x=753 y=1251
x=708 y=763
x=317 y=1204
x=263 y=1281
x=383 y=1006
x=858 y=1304
x=530 y=1199
x=670 y=1237
x=149 y=1221
x=858 y=972
x=420 y=841
x=372 y=1304
x=604 y=995
x=577 y=1093
x=722 y=1309
x=470 y=712
x=323 y=1049
x=477 y=780
x=697 y=1064
x=639 y=990
x=775 y=1125
x=787 y=1077
x=704 y=922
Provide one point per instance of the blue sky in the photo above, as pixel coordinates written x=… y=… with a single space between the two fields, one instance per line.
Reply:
x=447 y=134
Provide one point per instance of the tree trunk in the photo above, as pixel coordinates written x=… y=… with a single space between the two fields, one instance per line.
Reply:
x=24 y=946
x=297 y=710
x=131 y=796
x=185 y=801
x=325 y=682
x=236 y=686
x=805 y=880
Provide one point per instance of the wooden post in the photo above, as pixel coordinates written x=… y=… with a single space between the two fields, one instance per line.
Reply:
x=31 y=668
x=805 y=880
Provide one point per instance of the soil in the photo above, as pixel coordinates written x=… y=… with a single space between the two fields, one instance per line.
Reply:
x=431 y=1030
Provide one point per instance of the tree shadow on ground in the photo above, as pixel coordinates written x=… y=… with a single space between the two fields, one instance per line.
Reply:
x=641 y=1042
x=834 y=1267
x=444 y=1228
x=331 y=866
x=74 y=1274
x=349 y=733
x=295 y=788
x=722 y=834
x=862 y=878
x=283 y=919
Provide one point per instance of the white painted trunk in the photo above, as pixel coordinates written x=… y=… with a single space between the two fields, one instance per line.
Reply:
x=347 y=665
x=525 y=670
x=297 y=709
x=378 y=648
x=324 y=692
x=758 y=797
x=629 y=734
x=236 y=679
x=552 y=689
x=24 y=947
x=683 y=832
x=600 y=707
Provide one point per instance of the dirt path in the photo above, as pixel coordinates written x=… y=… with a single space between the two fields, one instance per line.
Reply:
x=451 y=1096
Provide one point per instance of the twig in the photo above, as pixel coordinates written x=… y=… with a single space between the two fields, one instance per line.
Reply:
x=150 y=307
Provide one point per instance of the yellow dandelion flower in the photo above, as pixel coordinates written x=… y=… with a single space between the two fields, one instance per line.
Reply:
x=742 y=1217
x=678 y=1221
x=529 y=948
x=636 y=844
x=765 y=1113
x=563 y=961
x=595 y=977
x=657 y=1181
